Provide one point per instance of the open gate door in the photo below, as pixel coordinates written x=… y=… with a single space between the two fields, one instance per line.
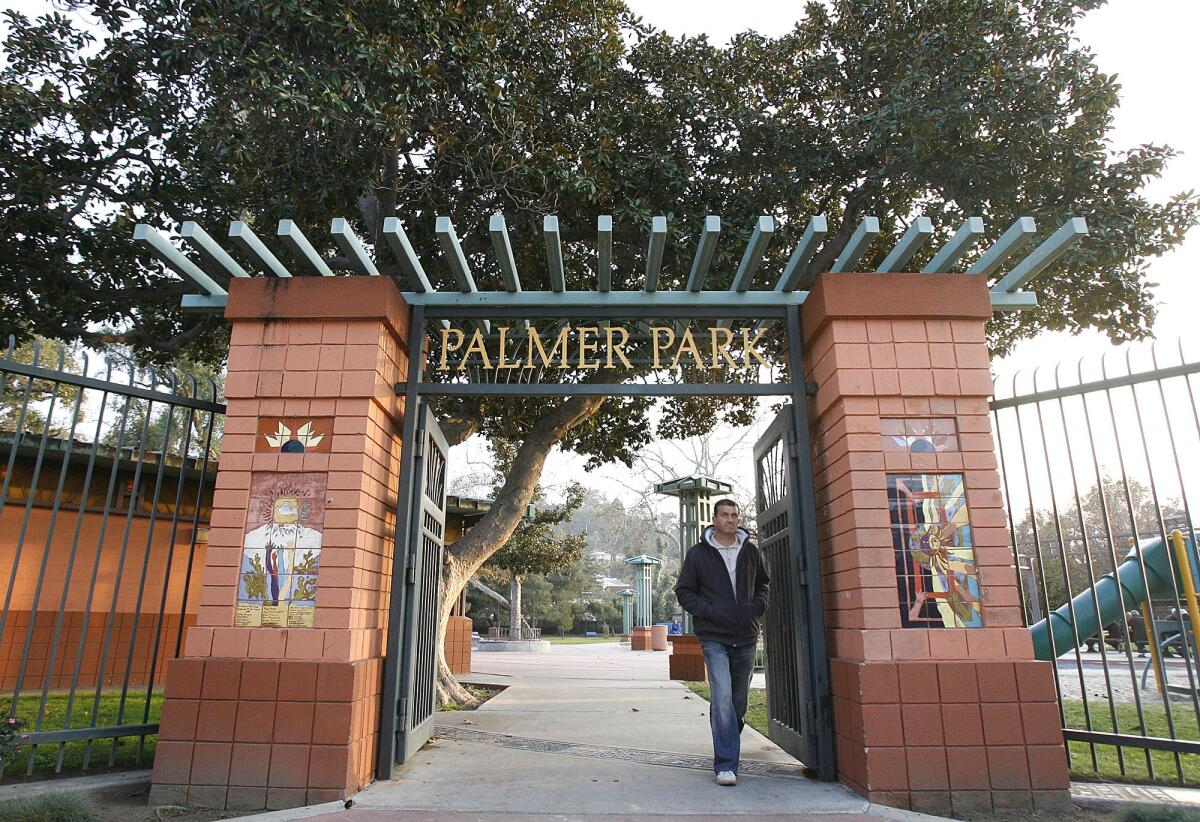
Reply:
x=411 y=670
x=798 y=703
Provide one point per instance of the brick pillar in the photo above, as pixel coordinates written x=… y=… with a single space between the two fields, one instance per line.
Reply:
x=939 y=704
x=275 y=702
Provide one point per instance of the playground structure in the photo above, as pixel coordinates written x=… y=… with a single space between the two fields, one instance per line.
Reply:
x=1153 y=567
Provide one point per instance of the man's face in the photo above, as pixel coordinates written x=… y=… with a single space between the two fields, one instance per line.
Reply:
x=726 y=520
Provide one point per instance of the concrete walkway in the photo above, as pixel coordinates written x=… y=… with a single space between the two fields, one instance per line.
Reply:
x=591 y=732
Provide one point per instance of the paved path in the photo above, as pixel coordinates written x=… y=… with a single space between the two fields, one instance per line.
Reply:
x=591 y=732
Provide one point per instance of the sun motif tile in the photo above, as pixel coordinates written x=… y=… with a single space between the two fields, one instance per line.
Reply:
x=918 y=435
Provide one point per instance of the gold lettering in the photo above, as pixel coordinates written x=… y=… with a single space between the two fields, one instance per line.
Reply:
x=749 y=348
x=500 y=362
x=587 y=347
x=688 y=342
x=560 y=345
x=447 y=347
x=720 y=350
x=478 y=346
x=618 y=348
x=655 y=332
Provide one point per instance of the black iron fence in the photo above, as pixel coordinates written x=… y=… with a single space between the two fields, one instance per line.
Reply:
x=107 y=478
x=1101 y=469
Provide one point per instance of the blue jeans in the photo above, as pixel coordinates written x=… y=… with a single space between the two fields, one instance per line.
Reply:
x=729 y=669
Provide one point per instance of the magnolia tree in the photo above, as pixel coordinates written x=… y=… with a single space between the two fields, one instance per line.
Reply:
x=226 y=109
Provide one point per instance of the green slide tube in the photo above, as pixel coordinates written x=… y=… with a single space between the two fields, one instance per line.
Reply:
x=1115 y=594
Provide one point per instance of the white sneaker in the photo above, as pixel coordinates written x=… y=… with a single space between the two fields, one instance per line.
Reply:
x=726 y=778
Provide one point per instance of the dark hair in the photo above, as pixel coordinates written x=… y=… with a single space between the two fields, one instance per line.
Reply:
x=723 y=503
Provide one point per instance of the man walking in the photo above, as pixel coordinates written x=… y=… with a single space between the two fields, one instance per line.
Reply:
x=724 y=585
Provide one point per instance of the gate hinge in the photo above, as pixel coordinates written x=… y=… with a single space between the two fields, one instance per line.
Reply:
x=810 y=387
x=419 y=447
x=400 y=388
x=410 y=568
x=402 y=709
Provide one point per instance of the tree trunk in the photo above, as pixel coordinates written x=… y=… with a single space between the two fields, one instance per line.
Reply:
x=464 y=558
x=514 y=607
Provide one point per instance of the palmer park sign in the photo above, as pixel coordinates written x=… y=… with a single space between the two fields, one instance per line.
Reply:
x=599 y=347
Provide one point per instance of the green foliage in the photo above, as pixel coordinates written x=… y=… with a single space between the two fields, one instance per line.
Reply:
x=60 y=806
x=23 y=401
x=10 y=735
x=227 y=109
x=537 y=547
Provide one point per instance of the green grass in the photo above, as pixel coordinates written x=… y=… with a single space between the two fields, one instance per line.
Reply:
x=49 y=807
x=1108 y=763
x=756 y=707
x=578 y=640
x=126 y=749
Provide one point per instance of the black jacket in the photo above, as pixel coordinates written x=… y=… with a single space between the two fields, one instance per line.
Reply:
x=718 y=612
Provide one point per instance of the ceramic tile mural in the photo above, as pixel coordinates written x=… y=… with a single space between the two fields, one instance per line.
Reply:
x=294 y=435
x=935 y=558
x=281 y=554
x=918 y=435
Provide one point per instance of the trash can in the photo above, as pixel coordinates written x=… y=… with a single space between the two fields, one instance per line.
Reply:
x=658 y=637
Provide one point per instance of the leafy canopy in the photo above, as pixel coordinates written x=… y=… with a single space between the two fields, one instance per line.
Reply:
x=224 y=109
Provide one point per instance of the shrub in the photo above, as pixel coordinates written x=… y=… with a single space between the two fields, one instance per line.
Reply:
x=10 y=736
x=48 y=807
x=1160 y=813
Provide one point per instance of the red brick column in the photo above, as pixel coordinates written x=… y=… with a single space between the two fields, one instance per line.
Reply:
x=277 y=705
x=931 y=715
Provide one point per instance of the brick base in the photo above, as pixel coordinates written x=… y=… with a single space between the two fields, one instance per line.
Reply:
x=259 y=734
x=956 y=736
x=687 y=659
x=457 y=646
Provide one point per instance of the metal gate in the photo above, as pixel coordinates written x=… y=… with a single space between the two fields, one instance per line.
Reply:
x=798 y=703
x=106 y=478
x=410 y=669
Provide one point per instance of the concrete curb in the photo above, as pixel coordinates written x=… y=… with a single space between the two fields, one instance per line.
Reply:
x=298 y=813
x=1116 y=795
x=97 y=783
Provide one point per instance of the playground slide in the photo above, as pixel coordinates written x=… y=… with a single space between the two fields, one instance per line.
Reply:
x=1104 y=603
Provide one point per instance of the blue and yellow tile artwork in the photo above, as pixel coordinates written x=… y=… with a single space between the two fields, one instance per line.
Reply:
x=281 y=552
x=935 y=557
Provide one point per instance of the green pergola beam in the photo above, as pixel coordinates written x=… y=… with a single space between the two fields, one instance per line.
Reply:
x=654 y=253
x=210 y=249
x=349 y=244
x=909 y=244
x=705 y=248
x=161 y=248
x=867 y=231
x=955 y=247
x=793 y=277
x=504 y=254
x=1050 y=250
x=554 y=261
x=406 y=255
x=604 y=253
x=301 y=248
x=1010 y=242
x=244 y=238
x=760 y=238
x=444 y=229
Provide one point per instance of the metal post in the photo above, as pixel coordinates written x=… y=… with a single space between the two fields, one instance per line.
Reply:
x=389 y=700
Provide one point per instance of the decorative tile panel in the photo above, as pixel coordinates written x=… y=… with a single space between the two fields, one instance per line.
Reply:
x=281 y=553
x=918 y=435
x=935 y=557
x=294 y=435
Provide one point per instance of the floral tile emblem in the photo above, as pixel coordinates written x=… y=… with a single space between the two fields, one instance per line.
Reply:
x=294 y=435
x=937 y=581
